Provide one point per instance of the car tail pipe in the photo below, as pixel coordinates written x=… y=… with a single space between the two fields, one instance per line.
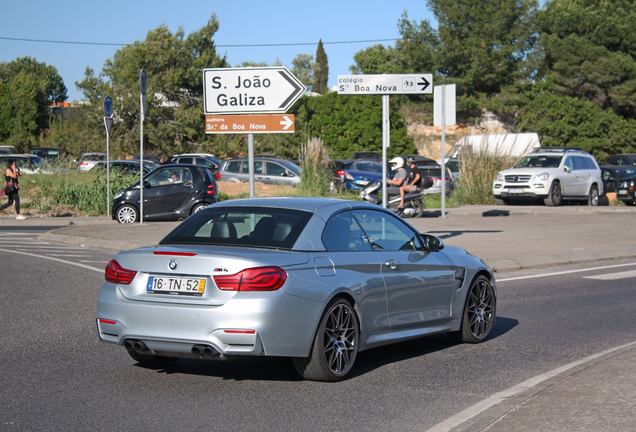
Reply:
x=204 y=351
x=135 y=345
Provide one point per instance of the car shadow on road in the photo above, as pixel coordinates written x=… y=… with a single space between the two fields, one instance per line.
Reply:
x=446 y=234
x=282 y=369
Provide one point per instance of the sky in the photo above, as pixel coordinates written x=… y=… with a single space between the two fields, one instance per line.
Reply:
x=72 y=35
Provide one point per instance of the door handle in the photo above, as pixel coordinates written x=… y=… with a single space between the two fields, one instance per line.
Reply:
x=392 y=264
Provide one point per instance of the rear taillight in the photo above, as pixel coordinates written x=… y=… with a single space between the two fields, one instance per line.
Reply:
x=117 y=274
x=340 y=173
x=254 y=279
x=210 y=190
x=217 y=176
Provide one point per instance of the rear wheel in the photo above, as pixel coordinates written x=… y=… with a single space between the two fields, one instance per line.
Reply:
x=593 y=198
x=501 y=201
x=335 y=346
x=127 y=214
x=198 y=208
x=479 y=312
x=555 y=197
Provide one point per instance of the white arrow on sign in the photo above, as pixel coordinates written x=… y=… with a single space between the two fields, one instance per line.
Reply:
x=250 y=90
x=287 y=122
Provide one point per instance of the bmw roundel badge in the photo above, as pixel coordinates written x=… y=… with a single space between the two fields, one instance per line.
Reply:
x=172 y=264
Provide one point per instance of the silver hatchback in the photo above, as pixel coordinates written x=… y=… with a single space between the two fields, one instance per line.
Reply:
x=314 y=279
x=266 y=170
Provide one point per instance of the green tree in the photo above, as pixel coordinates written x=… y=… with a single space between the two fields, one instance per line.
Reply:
x=484 y=44
x=173 y=64
x=589 y=51
x=321 y=71
x=303 y=69
x=27 y=89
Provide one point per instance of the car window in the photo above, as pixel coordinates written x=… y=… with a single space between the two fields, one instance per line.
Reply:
x=258 y=167
x=246 y=226
x=168 y=176
x=385 y=232
x=366 y=166
x=274 y=169
x=343 y=233
x=233 y=166
x=569 y=162
x=588 y=163
x=184 y=160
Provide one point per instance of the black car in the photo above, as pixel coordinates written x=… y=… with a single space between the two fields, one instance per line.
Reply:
x=625 y=159
x=171 y=192
x=126 y=166
x=622 y=181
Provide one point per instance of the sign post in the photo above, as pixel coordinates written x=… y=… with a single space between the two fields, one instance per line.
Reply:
x=444 y=114
x=250 y=90
x=385 y=85
x=108 y=124
x=142 y=114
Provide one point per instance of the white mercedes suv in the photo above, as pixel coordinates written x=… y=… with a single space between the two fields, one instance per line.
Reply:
x=552 y=174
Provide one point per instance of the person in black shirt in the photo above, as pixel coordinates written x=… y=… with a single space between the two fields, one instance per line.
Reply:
x=413 y=181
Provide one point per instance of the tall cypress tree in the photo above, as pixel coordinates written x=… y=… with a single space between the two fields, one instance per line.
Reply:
x=321 y=71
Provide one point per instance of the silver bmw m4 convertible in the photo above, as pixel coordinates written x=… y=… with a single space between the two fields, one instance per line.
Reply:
x=314 y=279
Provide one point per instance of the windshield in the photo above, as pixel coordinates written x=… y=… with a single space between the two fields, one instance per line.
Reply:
x=539 y=161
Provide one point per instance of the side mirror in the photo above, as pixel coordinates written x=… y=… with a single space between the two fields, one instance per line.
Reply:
x=146 y=184
x=432 y=243
x=566 y=169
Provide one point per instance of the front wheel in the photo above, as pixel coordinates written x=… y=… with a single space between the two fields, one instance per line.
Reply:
x=127 y=214
x=198 y=208
x=335 y=345
x=419 y=208
x=555 y=197
x=479 y=312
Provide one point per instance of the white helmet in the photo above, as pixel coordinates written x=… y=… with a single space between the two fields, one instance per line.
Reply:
x=398 y=161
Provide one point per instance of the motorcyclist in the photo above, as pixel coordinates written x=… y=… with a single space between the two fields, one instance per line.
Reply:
x=396 y=183
x=413 y=183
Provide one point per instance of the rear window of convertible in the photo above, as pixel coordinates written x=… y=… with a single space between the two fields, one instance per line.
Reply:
x=242 y=226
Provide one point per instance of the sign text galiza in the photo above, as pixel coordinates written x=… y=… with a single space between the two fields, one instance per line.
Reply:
x=250 y=90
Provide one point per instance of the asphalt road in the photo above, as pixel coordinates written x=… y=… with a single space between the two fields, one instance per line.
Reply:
x=56 y=375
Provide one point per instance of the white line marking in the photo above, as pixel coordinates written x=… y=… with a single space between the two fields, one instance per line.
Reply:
x=98 y=270
x=493 y=400
x=613 y=276
x=563 y=272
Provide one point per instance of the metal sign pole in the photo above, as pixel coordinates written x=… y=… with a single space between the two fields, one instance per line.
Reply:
x=386 y=142
x=250 y=162
x=108 y=123
x=142 y=109
x=443 y=167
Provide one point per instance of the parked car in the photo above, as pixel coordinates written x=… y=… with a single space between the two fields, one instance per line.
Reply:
x=149 y=157
x=171 y=192
x=50 y=153
x=314 y=279
x=88 y=160
x=626 y=159
x=433 y=176
x=552 y=174
x=29 y=164
x=366 y=155
x=266 y=170
x=613 y=177
x=126 y=166
x=626 y=186
x=203 y=159
x=361 y=173
x=339 y=171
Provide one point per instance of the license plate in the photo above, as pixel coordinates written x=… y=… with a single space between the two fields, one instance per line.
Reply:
x=361 y=182
x=622 y=192
x=175 y=285
x=515 y=191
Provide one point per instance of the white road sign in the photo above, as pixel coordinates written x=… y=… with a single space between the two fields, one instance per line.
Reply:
x=386 y=84
x=250 y=90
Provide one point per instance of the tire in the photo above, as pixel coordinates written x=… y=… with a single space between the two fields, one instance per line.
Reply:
x=555 y=197
x=335 y=345
x=593 y=197
x=479 y=312
x=127 y=214
x=419 y=208
x=152 y=360
x=198 y=207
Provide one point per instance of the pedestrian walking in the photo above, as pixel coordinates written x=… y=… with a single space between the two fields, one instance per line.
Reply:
x=11 y=188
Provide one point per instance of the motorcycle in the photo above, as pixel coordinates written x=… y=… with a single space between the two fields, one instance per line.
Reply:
x=413 y=204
